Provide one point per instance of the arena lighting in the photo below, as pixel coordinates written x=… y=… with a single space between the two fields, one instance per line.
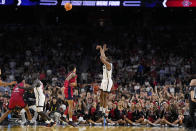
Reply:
x=94 y=3
x=2 y=2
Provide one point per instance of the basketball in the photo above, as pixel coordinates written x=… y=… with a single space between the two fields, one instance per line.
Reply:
x=68 y=6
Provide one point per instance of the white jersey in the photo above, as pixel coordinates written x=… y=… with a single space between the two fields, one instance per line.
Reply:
x=107 y=83
x=39 y=91
x=107 y=74
x=40 y=97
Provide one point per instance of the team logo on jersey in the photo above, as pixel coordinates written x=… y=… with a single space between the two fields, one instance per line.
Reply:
x=186 y=3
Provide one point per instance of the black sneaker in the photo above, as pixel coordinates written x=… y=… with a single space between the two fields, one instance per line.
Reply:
x=52 y=123
x=71 y=123
x=63 y=119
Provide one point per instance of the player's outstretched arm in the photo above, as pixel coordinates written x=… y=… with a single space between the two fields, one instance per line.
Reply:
x=102 y=51
x=7 y=84
x=26 y=88
x=105 y=47
x=103 y=57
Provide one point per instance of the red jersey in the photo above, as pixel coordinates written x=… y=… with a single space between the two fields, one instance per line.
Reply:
x=17 y=92
x=17 y=97
x=68 y=91
x=72 y=80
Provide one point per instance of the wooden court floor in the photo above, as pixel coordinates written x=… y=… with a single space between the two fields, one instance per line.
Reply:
x=61 y=128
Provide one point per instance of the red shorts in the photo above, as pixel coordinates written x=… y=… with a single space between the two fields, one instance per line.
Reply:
x=16 y=101
x=68 y=93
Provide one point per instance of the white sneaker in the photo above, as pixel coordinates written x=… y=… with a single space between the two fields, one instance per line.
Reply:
x=34 y=121
x=111 y=124
x=51 y=120
x=22 y=122
x=47 y=122
x=64 y=123
x=156 y=125
x=98 y=124
x=175 y=125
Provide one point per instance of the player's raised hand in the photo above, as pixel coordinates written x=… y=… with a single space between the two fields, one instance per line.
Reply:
x=98 y=47
x=105 y=47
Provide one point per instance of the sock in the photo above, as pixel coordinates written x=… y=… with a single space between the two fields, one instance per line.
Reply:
x=101 y=108
x=35 y=116
x=70 y=119
x=23 y=118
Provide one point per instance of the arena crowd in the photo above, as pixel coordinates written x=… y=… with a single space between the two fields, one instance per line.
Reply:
x=151 y=81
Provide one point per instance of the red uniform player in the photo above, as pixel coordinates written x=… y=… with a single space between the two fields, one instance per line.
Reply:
x=17 y=97
x=69 y=84
x=17 y=100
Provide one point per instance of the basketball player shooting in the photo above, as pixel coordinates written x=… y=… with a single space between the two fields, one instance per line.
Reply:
x=107 y=83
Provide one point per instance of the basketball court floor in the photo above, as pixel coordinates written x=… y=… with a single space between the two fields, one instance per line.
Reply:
x=87 y=128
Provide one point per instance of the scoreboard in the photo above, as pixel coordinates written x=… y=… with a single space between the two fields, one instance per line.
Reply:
x=105 y=3
x=94 y=3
